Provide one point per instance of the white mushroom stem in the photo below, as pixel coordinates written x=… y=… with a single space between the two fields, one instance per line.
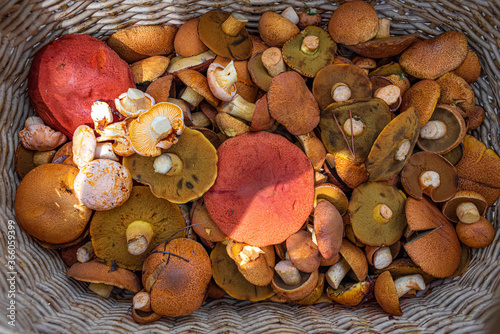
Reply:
x=310 y=229
x=382 y=258
x=139 y=234
x=190 y=96
x=160 y=127
x=168 y=164
x=84 y=145
x=103 y=290
x=249 y=253
x=222 y=80
x=433 y=130
x=467 y=213
x=85 y=253
x=239 y=107
x=105 y=151
x=384 y=28
x=407 y=283
x=288 y=273
x=382 y=213
x=273 y=61
x=200 y=119
x=429 y=179
x=133 y=102
x=101 y=115
x=403 y=150
x=337 y=272
x=354 y=127
x=142 y=301
x=309 y=44
x=390 y=94
x=290 y=14
x=233 y=24
x=340 y=92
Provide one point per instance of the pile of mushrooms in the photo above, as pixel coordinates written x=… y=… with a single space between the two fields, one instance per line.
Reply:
x=269 y=167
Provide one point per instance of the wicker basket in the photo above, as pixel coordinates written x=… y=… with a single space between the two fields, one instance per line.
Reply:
x=48 y=302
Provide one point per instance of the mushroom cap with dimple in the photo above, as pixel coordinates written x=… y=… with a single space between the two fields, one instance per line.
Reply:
x=272 y=200
x=353 y=22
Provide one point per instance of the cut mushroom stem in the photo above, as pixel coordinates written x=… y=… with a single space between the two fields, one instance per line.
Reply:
x=85 y=253
x=288 y=273
x=191 y=97
x=403 y=150
x=354 y=127
x=105 y=151
x=433 y=130
x=160 y=127
x=337 y=272
x=139 y=234
x=168 y=164
x=310 y=44
x=273 y=61
x=429 y=179
x=142 y=301
x=291 y=14
x=233 y=24
x=239 y=107
x=249 y=253
x=467 y=212
x=341 y=92
x=382 y=258
x=103 y=290
x=382 y=213
x=384 y=28
x=390 y=94
x=408 y=283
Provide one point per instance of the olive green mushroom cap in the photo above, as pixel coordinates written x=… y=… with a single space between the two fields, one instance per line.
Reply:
x=197 y=174
x=309 y=63
x=108 y=228
x=377 y=213
x=373 y=113
x=394 y=146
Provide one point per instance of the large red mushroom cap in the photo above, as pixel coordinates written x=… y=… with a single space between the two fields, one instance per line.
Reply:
x=264 y=190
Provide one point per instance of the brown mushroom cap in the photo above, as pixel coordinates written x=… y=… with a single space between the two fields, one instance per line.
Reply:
x=470 y=69
x=332 y=194
x=292 y=104
x=476 y=235
x=403 y=267
x=261 y=119
x=352 y=173
x=370 y=226
x=276 y=30
x=274 y=198
x=108 y=228
x=198 y=172
x=96 y=271
x=258 y=271
x=356 y=259
x=198 y=82
x=373 y=113
x=258 y=72
x=431 y=58
x=449 y=208
x=341 y=26
x=422 y=162
x=203 y=225
x=328 y=228
x=210 y=31
x=187 y=43
x=351 y=75
x=386 y=294
x=23 y=161
x=309 y=63
x=384 y=47
x=381 y=162
x=149 y=69
x=436 y=250
x=47 y=207
x=455 y=130
x=303 y=251
x=227 y=276
x=456 y=91
x=160 y=88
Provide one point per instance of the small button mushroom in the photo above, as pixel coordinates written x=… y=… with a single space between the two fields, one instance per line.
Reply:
x=133 y=102
x=303 y=252
x=276 y=30
x=84 y=145
x=476 y=235
x=341 y=25
x=85 y=253
x=37 y=136
x=222 y=80
x=328 y=228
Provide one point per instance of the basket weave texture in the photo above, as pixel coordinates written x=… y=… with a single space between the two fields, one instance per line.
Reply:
x=48 y=302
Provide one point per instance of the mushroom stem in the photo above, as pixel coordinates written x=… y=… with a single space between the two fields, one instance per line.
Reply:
x=142 y=301
x=382 y=258
x=354 y=127
x=403 y=150
x=168 y=164
x=433 y=130
x=467 y=212
x=160 y=127
x=200 y=119
x=105 y=151
x=191 y=97
x=273 y=61
x=290 y=14
x=390 y=94
x=407 y=283
x=382 y=213
x=309 y=44
x=85 y=253
x=139 y=234
x=384 y=28
x=340 y=92
x=429 y=179
x=233 y=24
x=249 y=253
x=103 y=290
x=239 y=107
x=288 y=273
x=337 y=272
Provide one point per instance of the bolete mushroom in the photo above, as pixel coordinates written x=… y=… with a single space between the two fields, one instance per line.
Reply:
x=341 y=26
x=134 y=102
x=275 y=29
x=222 y=80
x=465 y=206
x=303 y=252
x=254 y=263
x=328 y=229
x=203 y=225
x=149 y=69
x=384 y=47
x=353 y=259
x=197 y=88
x=476 y=235
x=187 y=42
x=423 y=96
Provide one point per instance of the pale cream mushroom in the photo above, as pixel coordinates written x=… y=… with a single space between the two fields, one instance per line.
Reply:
x=239 y=107
x=222 y=80
x=288 y=273
x=290 y=14
x=37 y=136
x=134 y=102
x=105 y=151
x=85 y=253
x=84 y=145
